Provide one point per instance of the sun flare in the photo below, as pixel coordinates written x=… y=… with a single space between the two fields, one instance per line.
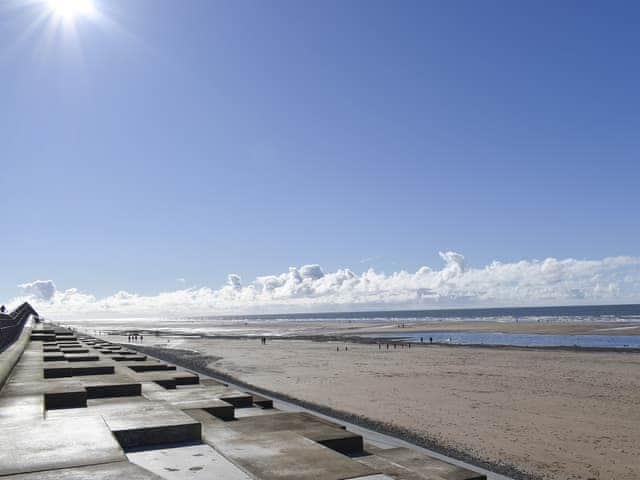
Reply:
x=72 y=9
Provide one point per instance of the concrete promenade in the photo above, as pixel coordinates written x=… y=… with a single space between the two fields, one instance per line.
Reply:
x=78 y=407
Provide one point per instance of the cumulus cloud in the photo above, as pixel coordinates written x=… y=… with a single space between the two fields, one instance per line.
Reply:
x=40 y=289
x=309 y=288
x=234 y=281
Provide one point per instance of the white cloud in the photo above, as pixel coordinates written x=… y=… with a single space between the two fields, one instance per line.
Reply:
x=40 y=289
x=308 y=288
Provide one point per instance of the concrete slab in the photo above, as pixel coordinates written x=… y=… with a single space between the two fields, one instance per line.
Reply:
x=48 y=444
x=22 y=408
x=208 y=382
x=53 y=357
x=407 y=464
x=238 y=399
x=253 y=411
x=288 y=456
x=128 y=358
x=198 y=462
x=138 y=422
x=111 y=386
x=74 y=369
x=314 y=428
x=186 y=378
x=378 y=476
x=149 y=366
x=205 y=393
x=81 y=357
x=34 y=386
x=216 y=432
x=42 y=337
x=168 y=379
x=262 y=401
x=107 y=471
x=60 y=397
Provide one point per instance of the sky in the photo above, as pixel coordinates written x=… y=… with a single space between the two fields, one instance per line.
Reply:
x=165 y=157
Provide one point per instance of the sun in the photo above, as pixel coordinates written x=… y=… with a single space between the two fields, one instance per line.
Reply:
x=72 y=9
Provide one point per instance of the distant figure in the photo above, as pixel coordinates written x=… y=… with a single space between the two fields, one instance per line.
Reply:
x=3 y=309
x=337 y=349
x=346 y=348
x=421 y=340
x=430 y=340
x=379 y=346
x=387 y=346
x=141 y=338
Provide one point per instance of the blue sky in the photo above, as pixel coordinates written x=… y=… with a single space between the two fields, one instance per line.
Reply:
x=191 y=140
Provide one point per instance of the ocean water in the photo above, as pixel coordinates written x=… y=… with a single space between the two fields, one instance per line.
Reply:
x=292 y=324
x=570 y=313
x=518 y=339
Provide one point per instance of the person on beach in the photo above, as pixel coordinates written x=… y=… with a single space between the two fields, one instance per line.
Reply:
x=141 y=338
x=430 y=340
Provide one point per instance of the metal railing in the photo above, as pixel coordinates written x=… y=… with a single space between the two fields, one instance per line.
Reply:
x=12 y=324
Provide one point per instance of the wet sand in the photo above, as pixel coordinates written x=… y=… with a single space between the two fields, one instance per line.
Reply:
x=549 y=327
x=554 y=414
x=346 y=327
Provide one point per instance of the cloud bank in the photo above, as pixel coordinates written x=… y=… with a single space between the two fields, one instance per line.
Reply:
x=310 y=288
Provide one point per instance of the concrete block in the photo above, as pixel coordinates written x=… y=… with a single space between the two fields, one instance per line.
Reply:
x=218 y=408
x=57 y=370
x=238 y=399
x=186 y=378
x=253 y=411
x=319 y=430
x=288 y=456
x=263 y=402
x=81 y=357
x=152 y=423
x=128 y=358
x=42 y=337
x=48 y=444
x=53 y=357
x=107 y=471
x=62 y=398
x=113 y=390
x=408 y=464
x=167 y=379
x=73 y=350
x=74 y=369
x=20 y=409
x=150 y=366
x=197 y=462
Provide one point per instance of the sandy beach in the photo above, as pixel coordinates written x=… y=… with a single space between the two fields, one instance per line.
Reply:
x=552 y=414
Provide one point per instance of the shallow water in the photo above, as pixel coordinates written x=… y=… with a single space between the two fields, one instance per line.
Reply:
x=519 y=339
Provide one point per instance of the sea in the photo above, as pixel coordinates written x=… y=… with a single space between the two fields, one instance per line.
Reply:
x=250 y=325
